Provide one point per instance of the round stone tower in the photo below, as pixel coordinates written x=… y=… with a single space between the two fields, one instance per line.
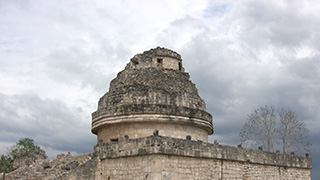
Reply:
x=152 y=93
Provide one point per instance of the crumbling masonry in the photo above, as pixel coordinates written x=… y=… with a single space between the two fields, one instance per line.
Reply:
x=152 y=124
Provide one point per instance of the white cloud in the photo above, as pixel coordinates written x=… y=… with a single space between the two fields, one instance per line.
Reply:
x=57 y=59
x=4 y=147
x=49 y=122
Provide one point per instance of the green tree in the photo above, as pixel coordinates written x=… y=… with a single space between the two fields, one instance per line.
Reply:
x=24 y=148
x=6 y=164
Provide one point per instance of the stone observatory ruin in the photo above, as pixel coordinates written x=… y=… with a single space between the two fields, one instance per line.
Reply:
x=153 y=93
x=153 y=125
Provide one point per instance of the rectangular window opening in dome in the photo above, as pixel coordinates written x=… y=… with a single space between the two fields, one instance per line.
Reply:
x=114 y=140
x=159 y=62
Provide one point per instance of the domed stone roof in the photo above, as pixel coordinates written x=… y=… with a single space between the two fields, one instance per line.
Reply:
x=152 y=88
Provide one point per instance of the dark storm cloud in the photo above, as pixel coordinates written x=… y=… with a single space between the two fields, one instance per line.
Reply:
x=240 y=54
x=50 y=122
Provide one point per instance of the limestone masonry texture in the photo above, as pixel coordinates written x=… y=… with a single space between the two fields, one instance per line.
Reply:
x=188 y=148
x=153 y=125
x=157 y=157
x=153 y=89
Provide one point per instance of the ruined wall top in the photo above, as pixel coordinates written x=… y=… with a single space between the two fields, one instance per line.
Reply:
x=157 y=58
x=159 y=51
x=188 y=148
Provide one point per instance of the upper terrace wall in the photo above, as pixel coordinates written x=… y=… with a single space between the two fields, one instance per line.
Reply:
x=180 y=147
x=157 y=157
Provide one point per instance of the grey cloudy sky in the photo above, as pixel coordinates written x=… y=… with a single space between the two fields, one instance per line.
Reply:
x=57 y=59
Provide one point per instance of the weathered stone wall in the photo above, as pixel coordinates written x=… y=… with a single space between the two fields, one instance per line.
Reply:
x=151 y=86
x=165 y=158
x=64 y=167
x=136 y=130
x=166 y=62
x=85 y=171
x=157 y=157
x=158 y=58
x=172 y=167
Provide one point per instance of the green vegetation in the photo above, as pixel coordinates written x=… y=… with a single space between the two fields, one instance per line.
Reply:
x=24 y=148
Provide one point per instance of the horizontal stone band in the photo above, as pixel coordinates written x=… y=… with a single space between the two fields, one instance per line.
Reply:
x=105 y=120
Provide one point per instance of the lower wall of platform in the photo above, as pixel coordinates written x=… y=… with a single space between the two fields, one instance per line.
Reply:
x=172 y=167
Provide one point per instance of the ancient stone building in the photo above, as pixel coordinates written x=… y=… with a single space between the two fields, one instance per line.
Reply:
x=152 y=124
x=152 y=93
